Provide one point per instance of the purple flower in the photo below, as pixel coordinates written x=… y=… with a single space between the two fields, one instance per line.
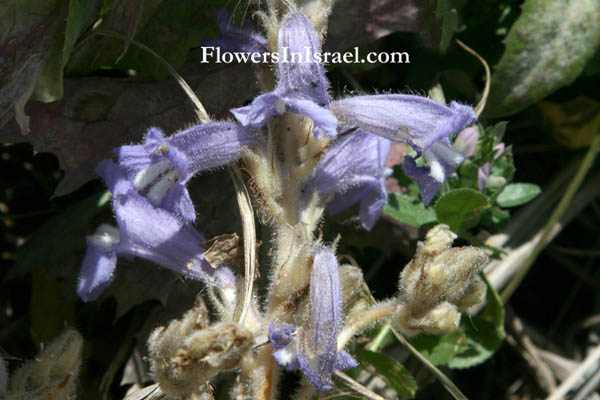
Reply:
x=313 y=348
x=302 y=84
x=484 y=171
x=417 y=121
x=144 y=230
x=353 y=170
x=234 y=39
x=420 y=122
x=466 y=141
x=442 y=161
x=160 y=167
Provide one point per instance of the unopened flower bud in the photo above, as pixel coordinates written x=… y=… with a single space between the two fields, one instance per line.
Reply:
x=473 y=295
x=493 y=182
x=439 y=238
x=440 y=273
x=438 y=282
x=351 y=278
x=186 y=354
x=443 y=318
x=53 y=374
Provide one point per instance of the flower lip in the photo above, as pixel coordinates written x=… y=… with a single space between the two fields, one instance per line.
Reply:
x=301 y=86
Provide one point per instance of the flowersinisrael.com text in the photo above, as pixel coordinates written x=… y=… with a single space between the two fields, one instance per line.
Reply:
x=211 y=54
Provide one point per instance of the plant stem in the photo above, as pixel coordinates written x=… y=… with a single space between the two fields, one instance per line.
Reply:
x=374 y=314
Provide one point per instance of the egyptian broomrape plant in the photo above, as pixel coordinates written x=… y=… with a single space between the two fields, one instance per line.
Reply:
x=304 y=154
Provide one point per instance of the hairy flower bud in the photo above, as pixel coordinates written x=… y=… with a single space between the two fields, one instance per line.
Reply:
x=52 y=374
x=438 y=282
x=351 y=278
x=186 y=354
x=443 y=318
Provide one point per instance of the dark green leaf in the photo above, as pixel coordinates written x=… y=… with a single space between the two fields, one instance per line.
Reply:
x=392 y=371
x=484 y=333
x=81 y=14
x=409 y=210
x=439 y=350
x=461 y=209
x=60 y=238
x=515 y=194
x=546 y=48
x=449 y=17
x=494 y=309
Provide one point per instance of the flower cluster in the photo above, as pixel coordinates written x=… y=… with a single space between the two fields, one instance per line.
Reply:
x=304 y=153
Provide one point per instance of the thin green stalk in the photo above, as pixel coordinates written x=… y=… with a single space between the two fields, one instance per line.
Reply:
x=444 y=380
x=558 y=212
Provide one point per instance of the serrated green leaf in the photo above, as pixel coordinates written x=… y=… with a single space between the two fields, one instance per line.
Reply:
x=398 y=377
x=515 y=194
x=439 y=350
x=408 y=210
x=546 y=48
x=461 y=209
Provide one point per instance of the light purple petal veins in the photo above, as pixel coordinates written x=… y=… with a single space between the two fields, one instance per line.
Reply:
x=353 y=170
x=313 y=348
x=414 y=120
x=318 y=356
x=302 y=84
x=304 y=78
x=160 y=167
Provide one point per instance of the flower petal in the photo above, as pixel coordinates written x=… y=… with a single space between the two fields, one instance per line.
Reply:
x=160 y=166
x=317 y=354
x=284 y=345
x=353 y=169
x=415 y=120
x=97 y=271
x=157 y=235
x=304 y=78
x=442 y=161
x=482 y=174
x=302 y=84
x=262 y=108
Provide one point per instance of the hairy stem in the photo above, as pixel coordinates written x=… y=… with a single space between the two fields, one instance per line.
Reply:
x=374 y=314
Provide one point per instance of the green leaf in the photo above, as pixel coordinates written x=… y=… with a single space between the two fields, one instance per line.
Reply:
x=461 y=209
x=483 y=333
x=409 y=210
x=547 y=48
x=515 y=194
x=60 y=238
x=170 y=28
x=449 y=16
x=392 y=371
x=494 y=309
x=439 y=350
x=81 y=14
